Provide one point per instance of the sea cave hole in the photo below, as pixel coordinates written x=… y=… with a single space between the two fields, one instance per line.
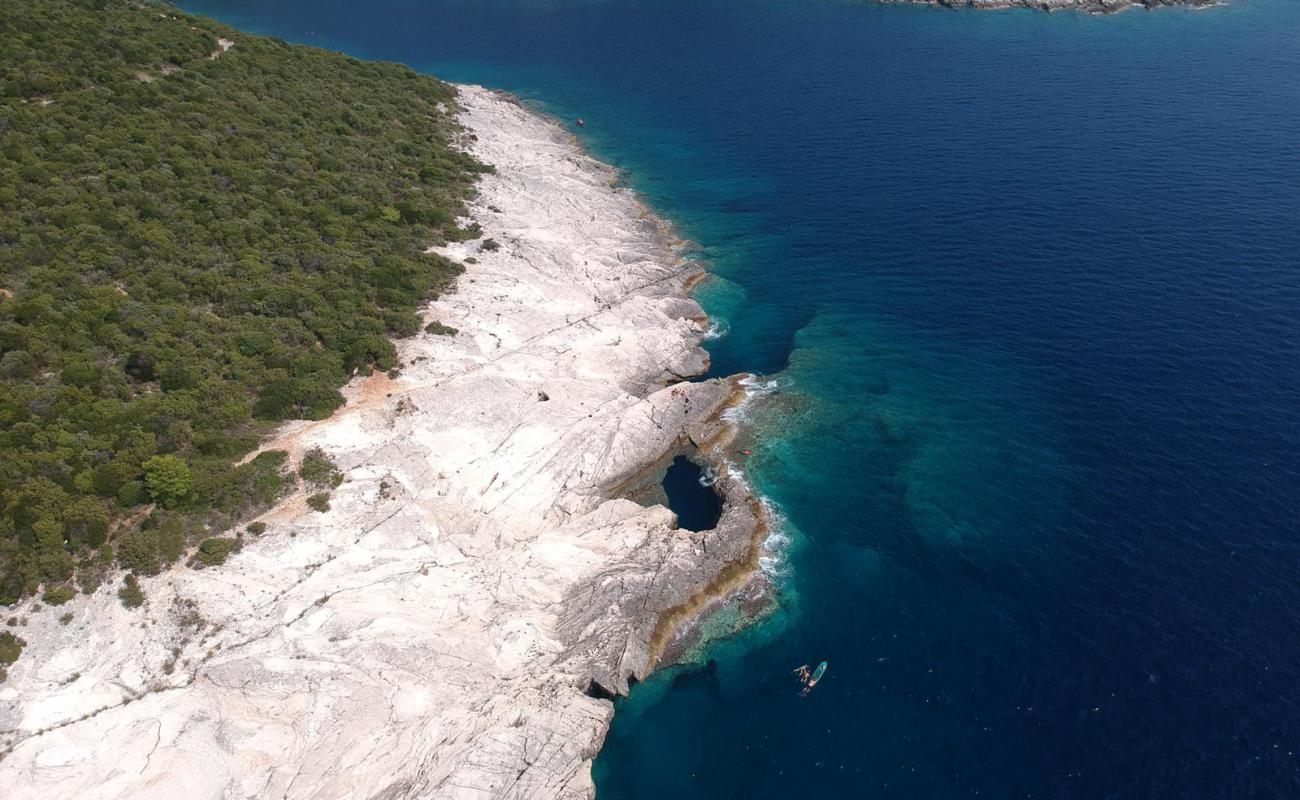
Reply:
x=691 y=495
x=594 y=689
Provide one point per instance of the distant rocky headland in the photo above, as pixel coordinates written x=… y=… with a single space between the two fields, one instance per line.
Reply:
x=1090 y=6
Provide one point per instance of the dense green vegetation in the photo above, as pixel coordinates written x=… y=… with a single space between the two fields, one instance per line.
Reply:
x=191 y=249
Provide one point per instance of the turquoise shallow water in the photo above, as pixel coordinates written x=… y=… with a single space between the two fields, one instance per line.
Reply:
x=1028 y=286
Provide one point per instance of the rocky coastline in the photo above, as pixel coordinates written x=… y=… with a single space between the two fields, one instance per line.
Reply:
x=454 y=625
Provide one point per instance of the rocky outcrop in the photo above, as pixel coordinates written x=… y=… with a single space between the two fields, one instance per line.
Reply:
x=449 y=627
x=1090 y=6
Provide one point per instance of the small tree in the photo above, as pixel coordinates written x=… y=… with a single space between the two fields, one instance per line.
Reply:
x=131 y=494
x=214 y=551
x=168 y=479
x=10 y=647
x=58 y=595
x=55 y=562
x=318 y=470
x=173 y=536
x=320 y=501
x=137 y=551
x=86 y=522
x=130 y=594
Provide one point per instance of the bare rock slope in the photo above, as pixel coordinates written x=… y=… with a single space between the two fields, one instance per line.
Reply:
x=447 y=628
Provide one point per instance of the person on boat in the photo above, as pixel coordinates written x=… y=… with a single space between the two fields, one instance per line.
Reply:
x=812 y=681
x=803 y=673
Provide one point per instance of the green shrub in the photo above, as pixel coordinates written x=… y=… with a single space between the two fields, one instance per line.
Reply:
x=132 y=494
x=472 y=231
x=168 y=479
x=438 y=329
x=10 y=647
x=16 y=364
x=256 y=528
x=213 y=552
x=58 y=595
x=318 y=469
x=491 y=245
x=137 y=551
x=173 y=537
x=86 y=522
x=130 y=594
x=320 y=501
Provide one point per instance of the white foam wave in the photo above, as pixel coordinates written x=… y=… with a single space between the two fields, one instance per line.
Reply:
x=708 y=476
x=717 y=329
x=754 y=387
x=757 y=385
x=737 y=475
x=777 y=544
x=775 y=547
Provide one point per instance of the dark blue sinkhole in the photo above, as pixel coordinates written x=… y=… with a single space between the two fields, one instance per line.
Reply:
x=697 y=506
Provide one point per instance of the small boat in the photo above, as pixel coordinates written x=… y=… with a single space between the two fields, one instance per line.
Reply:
x=816 y=676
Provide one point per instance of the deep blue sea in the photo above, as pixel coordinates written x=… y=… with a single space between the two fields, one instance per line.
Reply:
x=1029 y=286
